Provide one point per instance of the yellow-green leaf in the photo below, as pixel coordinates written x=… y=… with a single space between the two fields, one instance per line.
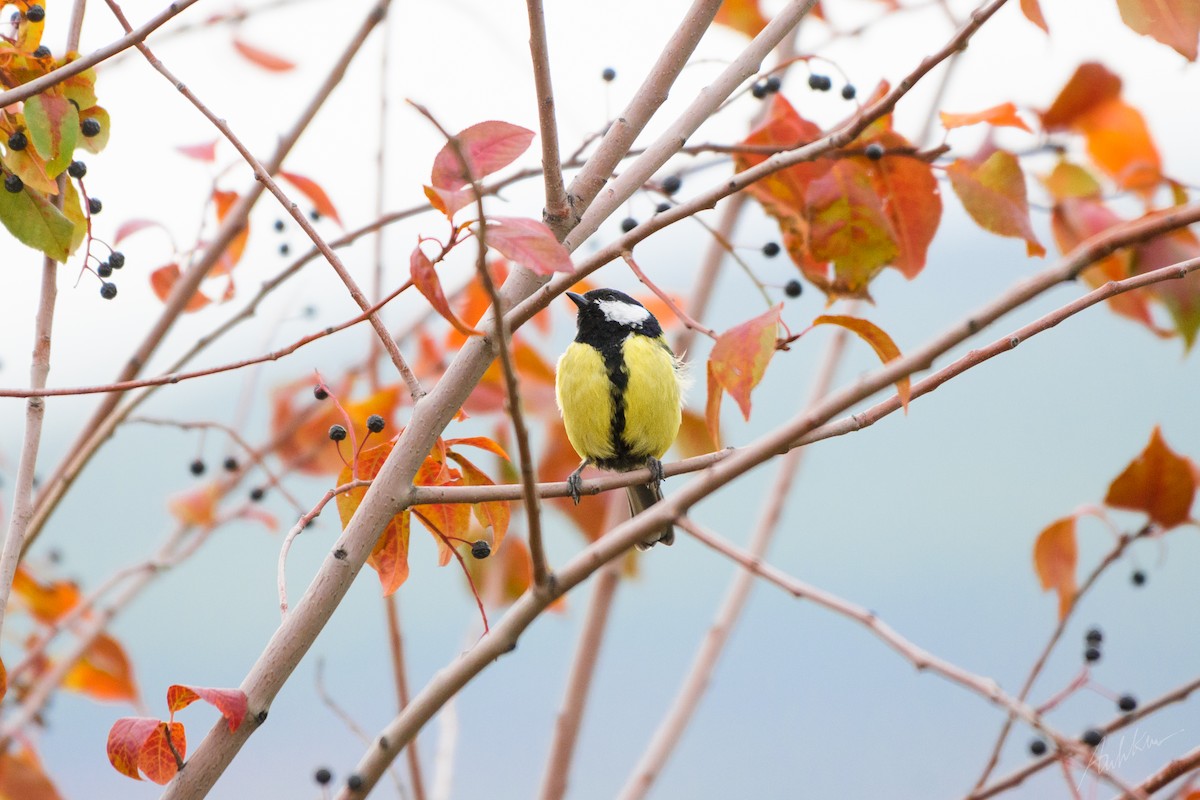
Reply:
x=33 y=220
x=53 y=123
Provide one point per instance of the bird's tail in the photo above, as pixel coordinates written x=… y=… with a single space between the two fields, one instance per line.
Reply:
x=642 y=497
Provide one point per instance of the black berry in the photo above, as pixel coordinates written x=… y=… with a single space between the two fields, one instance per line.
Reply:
x=770 y=249
x=1092 y=737
x=197 y=467
x=279 y=226
x=1037 y=747
x=42 y=52
x=1138 y=577
x=661 y=207
x=375 y=423
x=77 y=169
x=481 y=549
x=13 y=183
x=759 y=90
x=320 y=393
x=337 y=432
x=1094 y=636
x=628 y=224
x=94 y=205
x=608 y=75
x=284 y=249
x=671 y=184
x=230 y=464
x=1092 y=654
x=874 y=151
x=90 y=127
x=774 y=84
x=849 y=92
x=117 y=259
x=257 y=493
x=323 y=776
x=793 y=288
x=35 y=13
x=104 y=269
x=18 y=141
x=354 y=783
x=314 y=215
x=108 y=290
x=820 y=83
x=1127 y=702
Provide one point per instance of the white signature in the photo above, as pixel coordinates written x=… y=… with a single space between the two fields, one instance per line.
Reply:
x=1137 y=742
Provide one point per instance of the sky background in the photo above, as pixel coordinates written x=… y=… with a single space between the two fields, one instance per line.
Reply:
x=927 y=519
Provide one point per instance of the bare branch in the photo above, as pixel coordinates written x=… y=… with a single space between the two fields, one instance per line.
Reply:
x=557 y=210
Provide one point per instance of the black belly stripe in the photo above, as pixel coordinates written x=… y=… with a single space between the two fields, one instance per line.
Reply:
x=618 y=378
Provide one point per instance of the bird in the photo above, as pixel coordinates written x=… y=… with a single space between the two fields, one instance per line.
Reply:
x=619 y=388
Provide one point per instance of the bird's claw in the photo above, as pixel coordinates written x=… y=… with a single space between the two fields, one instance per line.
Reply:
x=574 y=486
x=657 y=474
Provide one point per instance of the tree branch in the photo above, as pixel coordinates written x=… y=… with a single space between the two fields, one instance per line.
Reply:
x=557 y=210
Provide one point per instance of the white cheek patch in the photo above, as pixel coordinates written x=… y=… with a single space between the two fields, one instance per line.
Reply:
x=623 y=313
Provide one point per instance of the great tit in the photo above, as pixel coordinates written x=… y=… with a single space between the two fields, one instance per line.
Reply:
x=618 y=389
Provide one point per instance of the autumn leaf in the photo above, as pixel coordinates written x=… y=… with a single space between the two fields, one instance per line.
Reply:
x=305 y=445
x=487 y=146
x=1055 y=555
x=505 y=575
x=425 y=278
x=3 y=682
x=53 y=123
x=130 y=227
x=103 y=672
x=261 y=58
x=880 y=342
x=125 y=740
x=993 y=193
x=847 y=226
x=230 y=702
x=495 y=514
x=316 y=195
x=224 y=202
x=1159 y=482
x=1181 y=297
x=159 y=759
x=911 y=202
x=449 y=202
x=737 y=364
x=694 y=438
x=205 y=151
x=47 y=602
x=558 y=460
x=34 y=221
x=389 y=555
x=1175 y=23
x=1032 y=10
x=163 y=280
x=1003 y=115
x=22 y=777
x=743 y=16
x=196 y=507
x=73 y=210
x=1069 y=180
x=94 y=144
x=528 y=243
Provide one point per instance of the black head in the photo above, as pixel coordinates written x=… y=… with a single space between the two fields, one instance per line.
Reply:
x=607 y=316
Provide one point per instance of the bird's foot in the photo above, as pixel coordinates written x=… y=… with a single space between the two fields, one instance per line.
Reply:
x=575 y=482
x=657 y=475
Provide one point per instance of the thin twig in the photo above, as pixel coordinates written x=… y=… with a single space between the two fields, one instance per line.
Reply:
x=400 y=673
x=710 y=267
x=687 y=321
x=557 y=209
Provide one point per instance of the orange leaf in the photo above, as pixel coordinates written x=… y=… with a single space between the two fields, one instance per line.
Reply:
x=505 y=575
x=487 y=147
x=268 y=61
x=1055 y=555
x=306 y=446
x=738 y=360
x=197 y=507
x=313 y=191
x=481 y=442
x=1003 y=115
x=848 y=227
x=125 y=740
x=1175 y=23
x=1159 y=482
x=156 y=759
x=104 y=672
x=743 y=16
x=205 y=151
x=425 y=278
x=1032 y=10
x=3 y=681
x=47 y=602
x=993 y=193
x=230 y=702
x=911 y=201
x=880 y=342
x=1120 y=144
x=694 y=438
x=1090 y=85
x=163 y=280
x=229 y=259
x=389 y=556
x=22 y=778
x=557 y=460
x=529 y=243
x=448 y=201
x=494 y=515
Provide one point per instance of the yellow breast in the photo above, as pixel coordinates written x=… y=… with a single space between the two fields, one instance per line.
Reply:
x=652 y=407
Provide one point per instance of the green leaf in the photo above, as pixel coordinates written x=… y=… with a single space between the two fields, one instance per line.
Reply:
x=33 y=220
x=53 y=127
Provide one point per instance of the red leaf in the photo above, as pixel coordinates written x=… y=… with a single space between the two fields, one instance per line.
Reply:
x=127 y=229
x=425 y=278
x=310 y=189
x=1159 y=482
x=125 y=740
x=487 y=146
x=529 y=243
x=205 y=151
x=1055 y=554
x=737 y=363
x=911 y=201
x=156 y=759
x=993 y=193
x=873 y=335
x=268 y=61
x=230 y=702
x=1175 y=23
x=1002 y=115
